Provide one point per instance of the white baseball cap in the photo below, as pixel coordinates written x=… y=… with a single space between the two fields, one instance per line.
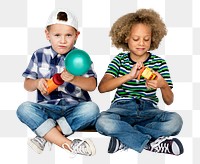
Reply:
x=71 y=19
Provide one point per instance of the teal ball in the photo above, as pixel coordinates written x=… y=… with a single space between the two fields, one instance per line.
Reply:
x=77 y=62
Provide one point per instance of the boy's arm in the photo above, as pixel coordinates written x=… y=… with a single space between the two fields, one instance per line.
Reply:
x=33 y=84
x=167 y=94
x=30 y=84
x=85 y=83
x=109 y=82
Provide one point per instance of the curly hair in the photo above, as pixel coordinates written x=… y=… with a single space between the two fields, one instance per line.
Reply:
x=122 y=27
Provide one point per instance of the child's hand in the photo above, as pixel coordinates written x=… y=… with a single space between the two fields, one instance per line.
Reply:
x=159 y=82
x=66 y=76
x=42 y=86
x=135 y=70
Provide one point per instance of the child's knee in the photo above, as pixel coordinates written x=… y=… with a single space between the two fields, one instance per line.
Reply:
x=105 y=125
x=21 y=110
x=25 y=110
x=92 y=110
x=100 y=125
x=176 y=124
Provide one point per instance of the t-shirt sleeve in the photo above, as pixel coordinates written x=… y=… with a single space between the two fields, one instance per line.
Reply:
x=114 y=66
x=164 y=72
x=91 y=72
x=31 y=70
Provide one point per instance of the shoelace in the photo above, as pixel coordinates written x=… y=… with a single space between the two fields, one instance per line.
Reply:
x=163 y=148
x=158 y=141
x=42 y=142
x=75 y=149
x=158 y=146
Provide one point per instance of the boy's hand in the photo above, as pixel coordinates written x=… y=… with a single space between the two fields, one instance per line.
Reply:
x=135 y=70
x=66 y=76
x=159 y=82
x=42 y=86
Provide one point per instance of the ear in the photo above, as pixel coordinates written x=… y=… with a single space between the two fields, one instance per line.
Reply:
x=77 y=34
x=47 y=34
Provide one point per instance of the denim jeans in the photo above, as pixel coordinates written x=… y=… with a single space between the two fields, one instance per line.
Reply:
x=136 y=122
x=41 y=118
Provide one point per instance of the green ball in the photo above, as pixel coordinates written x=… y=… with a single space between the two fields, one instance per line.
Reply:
x=77 y=62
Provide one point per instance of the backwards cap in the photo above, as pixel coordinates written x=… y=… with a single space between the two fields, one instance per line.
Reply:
x=70 y=20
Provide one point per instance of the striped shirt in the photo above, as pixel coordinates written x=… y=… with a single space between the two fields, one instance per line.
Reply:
x=44 y=63
x=122 y=65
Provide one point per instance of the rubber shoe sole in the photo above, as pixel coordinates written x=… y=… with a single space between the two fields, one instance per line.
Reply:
x=34 y=147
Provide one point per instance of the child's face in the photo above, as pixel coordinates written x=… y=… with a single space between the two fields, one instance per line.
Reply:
x=139 y=39
x=61 y=37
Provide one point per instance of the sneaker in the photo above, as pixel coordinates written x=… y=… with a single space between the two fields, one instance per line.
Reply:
x=115 y=145
x=168 y=146
x=82 y=147
x=37 y=144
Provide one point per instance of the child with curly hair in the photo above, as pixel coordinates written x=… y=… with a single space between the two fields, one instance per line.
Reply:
x=134 y=119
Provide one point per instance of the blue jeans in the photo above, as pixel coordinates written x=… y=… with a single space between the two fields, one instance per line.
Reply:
x=136 y=122
x=41 y=118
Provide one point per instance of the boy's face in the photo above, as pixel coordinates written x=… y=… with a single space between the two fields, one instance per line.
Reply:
x=139 y=39
x=61 y=37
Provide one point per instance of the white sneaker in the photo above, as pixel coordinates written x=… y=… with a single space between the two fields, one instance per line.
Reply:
x=82 y=147
x=37 y=144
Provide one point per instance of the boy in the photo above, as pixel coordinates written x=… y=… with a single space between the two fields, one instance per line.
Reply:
x=67 y=109
x=134 y=119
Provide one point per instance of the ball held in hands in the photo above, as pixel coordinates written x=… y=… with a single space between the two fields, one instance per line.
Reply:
x=77 y=62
